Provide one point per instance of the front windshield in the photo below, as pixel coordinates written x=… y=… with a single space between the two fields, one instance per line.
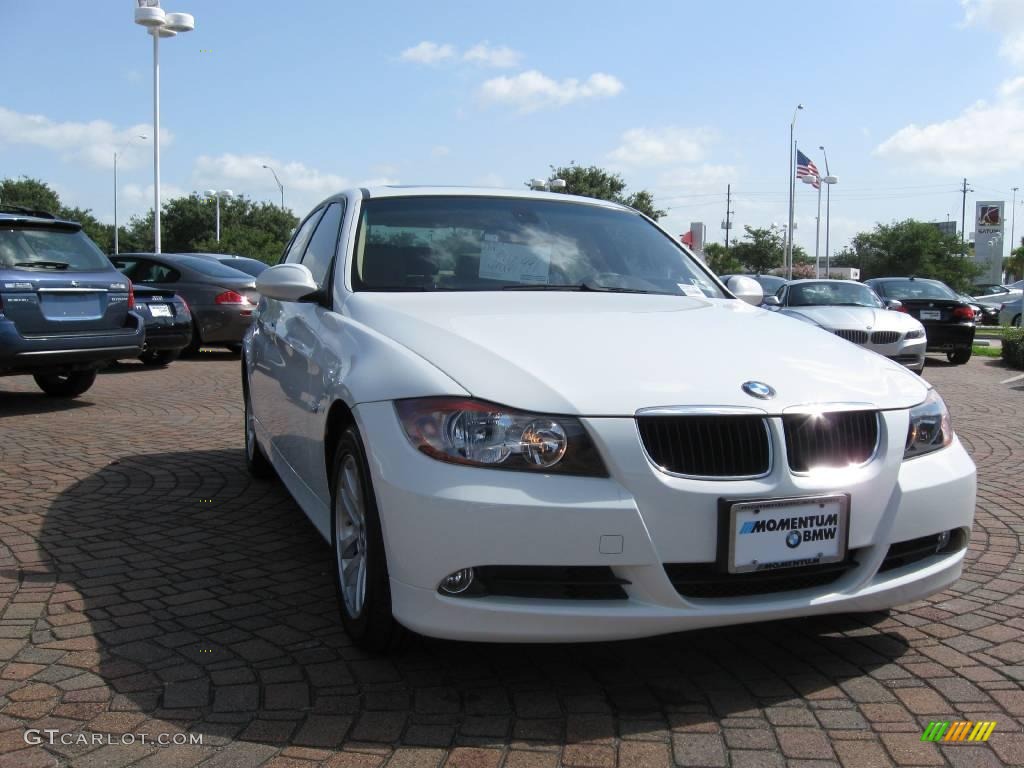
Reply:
x=909 y=290
x=466 y=243
x=832 y=294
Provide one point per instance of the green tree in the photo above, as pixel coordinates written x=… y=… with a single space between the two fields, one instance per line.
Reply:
x=592 y=181
x=720 y=261
x=30 y=193
x=189 y=224
x=912 y=248
x=1014 y=266
x=761 y=249
x=40 y=196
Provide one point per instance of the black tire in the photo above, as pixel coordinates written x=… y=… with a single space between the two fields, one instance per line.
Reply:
x=159 y=357
x=194 y=343
x=959 y=356
x=256 y=461
x=65 y=384
x=372 y=627
x=1016 y=322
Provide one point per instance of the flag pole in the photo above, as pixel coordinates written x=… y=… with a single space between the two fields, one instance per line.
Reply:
x=792 y=191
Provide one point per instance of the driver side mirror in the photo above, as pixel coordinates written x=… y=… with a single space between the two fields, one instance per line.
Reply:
x=894 y=305
x=771 y=301
x=286 y=282
x=746 y=289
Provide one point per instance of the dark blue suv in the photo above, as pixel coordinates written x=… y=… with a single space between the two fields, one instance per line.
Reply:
x=64 y=308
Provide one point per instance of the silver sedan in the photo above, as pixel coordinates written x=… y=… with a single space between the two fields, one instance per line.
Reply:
x=854 y=312
x=1009 y=313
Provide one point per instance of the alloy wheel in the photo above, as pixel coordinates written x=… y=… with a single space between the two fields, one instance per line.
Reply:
x=350 y=544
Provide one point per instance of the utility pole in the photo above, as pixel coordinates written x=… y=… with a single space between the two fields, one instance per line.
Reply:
x=728 y=212
x=1013 y=220
x=963 y=219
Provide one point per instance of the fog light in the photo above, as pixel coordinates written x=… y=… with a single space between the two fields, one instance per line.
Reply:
x=942 y=541
x=458 y=582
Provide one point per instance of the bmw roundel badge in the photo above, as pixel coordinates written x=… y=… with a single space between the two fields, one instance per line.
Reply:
x=793 y=540
x=758 y=389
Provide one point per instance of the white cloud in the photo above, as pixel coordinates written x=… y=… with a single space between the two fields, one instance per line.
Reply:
x=428 y=53
x=137 y=196
x=532 y=90
x=984 y=138
x=492 y=56
x=92 y=143
x=440 y=151
x=666 y=146
x=304 y=186
x=379 y=181
x=1004 y=16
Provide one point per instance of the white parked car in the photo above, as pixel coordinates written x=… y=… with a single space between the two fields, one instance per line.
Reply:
x=523 y=416
x=854 y=312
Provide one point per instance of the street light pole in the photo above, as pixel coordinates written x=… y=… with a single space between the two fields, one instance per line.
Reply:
x=216 y=195
x=280 y=186
x=116 y=150
x=115 y=203
x=792 y=192
x=828 y=210
x=159 y=24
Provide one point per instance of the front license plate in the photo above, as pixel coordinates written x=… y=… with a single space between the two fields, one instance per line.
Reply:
x=931 y=314
x=768 y=534
x=159 y=310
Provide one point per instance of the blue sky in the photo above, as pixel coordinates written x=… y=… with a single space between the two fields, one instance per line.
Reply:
x=681 y=98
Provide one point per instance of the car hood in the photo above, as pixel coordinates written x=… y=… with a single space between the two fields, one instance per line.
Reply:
x=856 y=318
x=605 y=354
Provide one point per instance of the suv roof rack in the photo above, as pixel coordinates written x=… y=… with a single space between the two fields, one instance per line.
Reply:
x=8 y=208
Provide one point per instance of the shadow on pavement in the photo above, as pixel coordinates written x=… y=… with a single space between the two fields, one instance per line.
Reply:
x=30 y=403
x=204 y=599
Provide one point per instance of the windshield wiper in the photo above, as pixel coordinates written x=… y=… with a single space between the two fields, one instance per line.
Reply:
x=585 y=286
x=43 y=264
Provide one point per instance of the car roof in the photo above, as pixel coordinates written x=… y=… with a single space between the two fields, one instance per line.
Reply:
x=37 y=219
x=426 y=190
x=822 y=280
x=891 y=279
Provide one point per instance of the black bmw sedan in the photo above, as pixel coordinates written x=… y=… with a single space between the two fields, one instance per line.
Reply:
x=948 y=320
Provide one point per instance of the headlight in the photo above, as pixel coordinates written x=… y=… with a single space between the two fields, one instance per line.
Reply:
x=481 y=434
x=917 y=334
x=930 y=427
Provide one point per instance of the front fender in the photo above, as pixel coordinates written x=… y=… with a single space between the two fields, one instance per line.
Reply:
x=360 y=365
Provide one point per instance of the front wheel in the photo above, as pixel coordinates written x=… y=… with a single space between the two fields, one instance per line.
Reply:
x=256 y=461
x=1016 y=322
x=959 y=356
x=65 y=384
x=361 y=573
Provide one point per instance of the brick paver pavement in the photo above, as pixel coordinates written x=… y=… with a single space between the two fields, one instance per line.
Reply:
x=149 y=586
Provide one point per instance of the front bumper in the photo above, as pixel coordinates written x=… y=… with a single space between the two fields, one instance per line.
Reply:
x=438 y=518
x=907 y=352
x=69 y=351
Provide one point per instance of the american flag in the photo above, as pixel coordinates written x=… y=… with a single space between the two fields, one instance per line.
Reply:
x=806 y=167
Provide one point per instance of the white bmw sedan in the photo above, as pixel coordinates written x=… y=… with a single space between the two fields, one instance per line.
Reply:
x=522 y=416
